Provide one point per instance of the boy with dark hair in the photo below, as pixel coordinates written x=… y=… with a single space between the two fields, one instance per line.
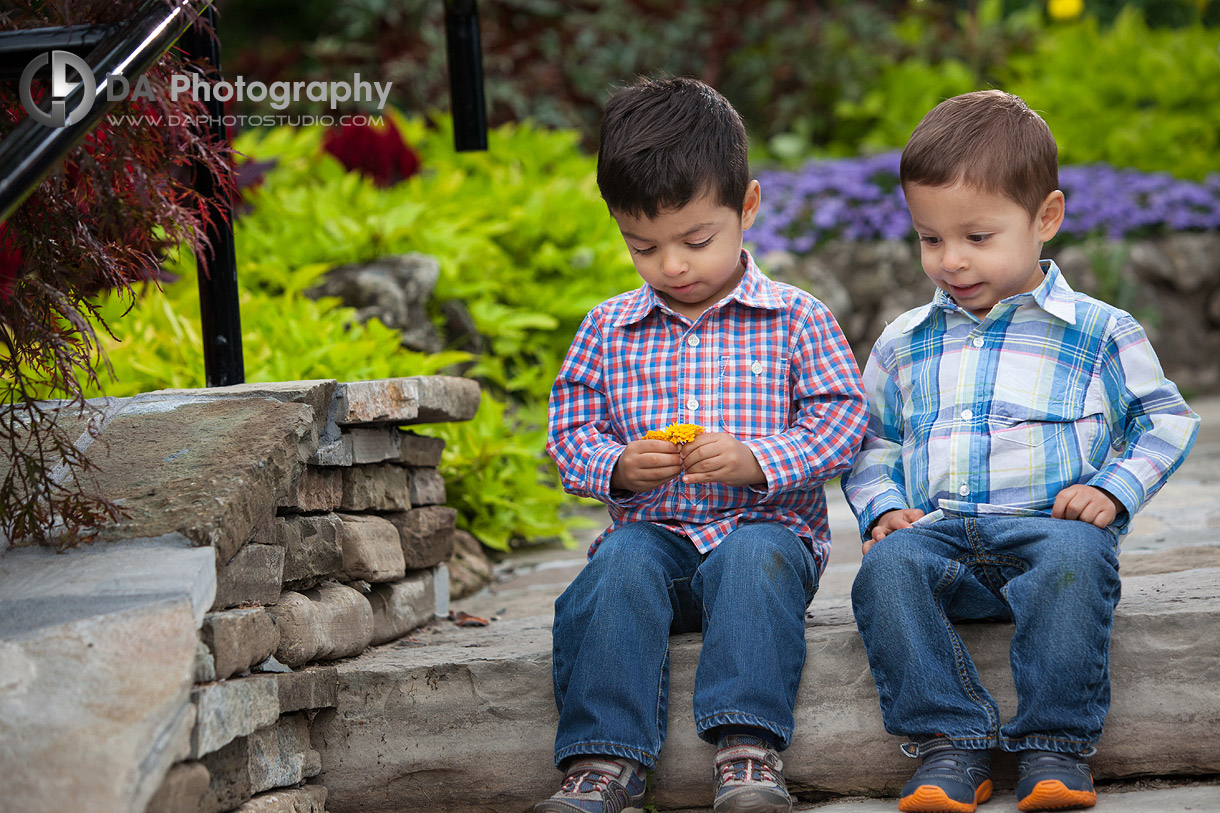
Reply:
x=721 y=526
x=1016 y=427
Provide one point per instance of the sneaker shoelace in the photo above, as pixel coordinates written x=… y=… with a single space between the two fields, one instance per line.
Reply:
x=589 y=779
x=747 y=769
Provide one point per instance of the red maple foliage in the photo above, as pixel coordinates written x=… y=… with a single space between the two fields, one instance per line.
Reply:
x=103 y=220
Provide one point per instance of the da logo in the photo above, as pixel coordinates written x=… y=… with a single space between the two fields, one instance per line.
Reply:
x=61 y=87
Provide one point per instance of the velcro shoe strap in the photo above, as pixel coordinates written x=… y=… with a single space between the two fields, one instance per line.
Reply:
x=754 y=752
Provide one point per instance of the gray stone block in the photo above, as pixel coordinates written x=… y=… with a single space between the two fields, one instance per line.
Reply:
x=402 y=606
x=420 y=450
x=313 y=687
x=494 y=686
x=255 y=575
x=427 y=487
x=312 y=548
x=231 y=709
x=317 y=489
x=238 y=639
x=280 y=755
x=376 y=487
x=426 y=534
x=306 y=799
x=182 y=789
x=444 y=398
x=327 y=622
x=383 y=401
x=372 y=551
x=374 y=444
x=228 y=778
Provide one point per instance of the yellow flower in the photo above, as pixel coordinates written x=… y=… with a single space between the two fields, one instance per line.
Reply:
x=1065 y=10
x=655 y=434
x=680 y=433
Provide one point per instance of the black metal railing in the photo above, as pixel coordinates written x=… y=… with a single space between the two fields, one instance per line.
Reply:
x=33 y=149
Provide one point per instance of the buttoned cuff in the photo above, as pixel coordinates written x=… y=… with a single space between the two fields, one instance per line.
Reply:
x=597 y=471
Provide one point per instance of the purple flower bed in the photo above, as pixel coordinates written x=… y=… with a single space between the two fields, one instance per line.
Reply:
x=859 y=199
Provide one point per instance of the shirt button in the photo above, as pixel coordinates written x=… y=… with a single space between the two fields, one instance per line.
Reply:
x=693 y=341
x=978 y=341
x=967 y=414
x=756 y=368
x=964 y=490
x=692 y=404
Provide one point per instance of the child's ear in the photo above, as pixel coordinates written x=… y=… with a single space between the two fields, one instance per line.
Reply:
x=749 y=206
x=1050 y=216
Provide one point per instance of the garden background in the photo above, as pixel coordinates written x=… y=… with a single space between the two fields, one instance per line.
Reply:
x=829 y=92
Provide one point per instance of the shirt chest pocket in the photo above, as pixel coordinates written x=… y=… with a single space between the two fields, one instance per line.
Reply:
x=753 y=394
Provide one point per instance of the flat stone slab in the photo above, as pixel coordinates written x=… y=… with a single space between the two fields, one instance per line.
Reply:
x=41 y=588
x=462 y=697
x=95 y=710
x=208 y=469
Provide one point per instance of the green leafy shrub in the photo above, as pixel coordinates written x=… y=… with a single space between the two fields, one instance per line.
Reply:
x=1128 y=95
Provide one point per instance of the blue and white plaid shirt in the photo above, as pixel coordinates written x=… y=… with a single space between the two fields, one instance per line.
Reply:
x=767 y=364
x=1052 y=389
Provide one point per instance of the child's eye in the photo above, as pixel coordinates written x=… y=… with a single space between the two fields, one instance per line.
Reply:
x=643 y=252
x=929 y=239
x=978 y=238
x=704 y=244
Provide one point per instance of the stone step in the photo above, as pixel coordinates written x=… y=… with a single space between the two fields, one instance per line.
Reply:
x=463 y=719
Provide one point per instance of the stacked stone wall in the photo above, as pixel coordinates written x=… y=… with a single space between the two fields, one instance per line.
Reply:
x=351 y=555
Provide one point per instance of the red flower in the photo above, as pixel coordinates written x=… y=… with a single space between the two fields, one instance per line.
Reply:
x=378 y=152
x=10 y=263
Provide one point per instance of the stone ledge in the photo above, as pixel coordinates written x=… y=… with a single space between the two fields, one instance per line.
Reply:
x=483 y=697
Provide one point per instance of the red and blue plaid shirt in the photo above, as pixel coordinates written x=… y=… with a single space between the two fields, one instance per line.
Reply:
x=767 y=364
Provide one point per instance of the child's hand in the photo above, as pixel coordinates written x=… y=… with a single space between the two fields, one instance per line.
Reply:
x=645 y=465
x=892 y=521
x=1087 y=504
x=716 y=457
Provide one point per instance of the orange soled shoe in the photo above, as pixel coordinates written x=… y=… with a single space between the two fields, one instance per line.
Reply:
x=950 y=780
x=1048 y=780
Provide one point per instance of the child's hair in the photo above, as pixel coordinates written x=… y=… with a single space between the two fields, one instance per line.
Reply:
x=988 y=139
x=665 y=142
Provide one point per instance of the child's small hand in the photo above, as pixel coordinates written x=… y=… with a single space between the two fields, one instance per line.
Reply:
x=1087 y=504
x=717 y=457
x=892 y=521
x=645 y=465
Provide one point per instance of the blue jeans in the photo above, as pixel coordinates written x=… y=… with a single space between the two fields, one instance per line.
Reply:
x=612 y=626
x=1055 y=580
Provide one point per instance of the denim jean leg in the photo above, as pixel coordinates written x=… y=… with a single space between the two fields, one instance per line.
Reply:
x=910 y=589
x=611 y=644
x=754 y=587
x=1062 y=604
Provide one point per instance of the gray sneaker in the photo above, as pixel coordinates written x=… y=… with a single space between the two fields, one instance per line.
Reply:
x=749 y=777
x=598 y=785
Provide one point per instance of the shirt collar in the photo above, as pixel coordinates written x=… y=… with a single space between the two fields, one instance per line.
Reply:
x=752 y=290
x=1052 y=295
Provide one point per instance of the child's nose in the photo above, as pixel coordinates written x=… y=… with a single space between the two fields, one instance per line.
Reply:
x=952 y=259
x=672 y=263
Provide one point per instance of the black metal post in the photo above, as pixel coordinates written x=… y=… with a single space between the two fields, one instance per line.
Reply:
x=219 y=310
x=465 y=75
